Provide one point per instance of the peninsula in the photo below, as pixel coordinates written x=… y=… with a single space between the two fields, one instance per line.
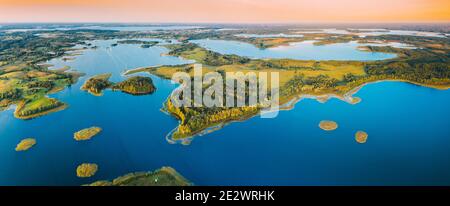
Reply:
x=165 y=176
x=298 y=78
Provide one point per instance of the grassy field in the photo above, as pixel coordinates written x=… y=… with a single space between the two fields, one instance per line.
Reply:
x=332 y=69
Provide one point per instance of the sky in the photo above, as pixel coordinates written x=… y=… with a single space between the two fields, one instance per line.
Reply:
x=225 y=11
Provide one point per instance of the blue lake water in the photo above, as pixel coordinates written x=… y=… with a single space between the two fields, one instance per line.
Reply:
x=301 y=51
x=408 y=144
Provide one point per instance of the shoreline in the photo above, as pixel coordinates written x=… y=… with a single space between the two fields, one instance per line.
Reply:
x=72 y=53
x=209 y=129
x=137 y=70
x=290 y=105
x=348 y=95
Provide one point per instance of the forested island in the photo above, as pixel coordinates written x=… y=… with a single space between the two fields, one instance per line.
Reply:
x=86 y=134
x=142 y=43
x=136 y=85
x=96 y=84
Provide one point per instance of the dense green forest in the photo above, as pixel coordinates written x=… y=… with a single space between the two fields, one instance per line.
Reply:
x=96 y=84
x=136 y=85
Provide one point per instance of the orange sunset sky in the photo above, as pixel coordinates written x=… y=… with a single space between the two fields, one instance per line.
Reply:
x=224 y=11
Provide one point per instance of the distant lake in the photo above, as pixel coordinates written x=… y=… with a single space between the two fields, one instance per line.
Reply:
x=408 y=131
x=373 y=32
x=305 y=50
x=141 y=28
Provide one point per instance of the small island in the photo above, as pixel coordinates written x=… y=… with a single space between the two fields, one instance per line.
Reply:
x=136 y=86
x=86 y=134
x=25 y=144
x=361 y=137
x=96 y=84
x=166 y=176
x=328 y=125
x=144 y=44
x=86 y=170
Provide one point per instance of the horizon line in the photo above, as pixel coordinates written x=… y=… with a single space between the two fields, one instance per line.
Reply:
x=218 y=22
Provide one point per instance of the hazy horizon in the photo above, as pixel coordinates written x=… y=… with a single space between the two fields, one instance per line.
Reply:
x=225 y=11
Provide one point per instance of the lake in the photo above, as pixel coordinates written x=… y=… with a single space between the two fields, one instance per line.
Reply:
x=407 y=126
x=305 y=50
x=373 y=32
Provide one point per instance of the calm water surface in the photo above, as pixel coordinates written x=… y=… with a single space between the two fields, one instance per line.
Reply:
x=301 y=51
